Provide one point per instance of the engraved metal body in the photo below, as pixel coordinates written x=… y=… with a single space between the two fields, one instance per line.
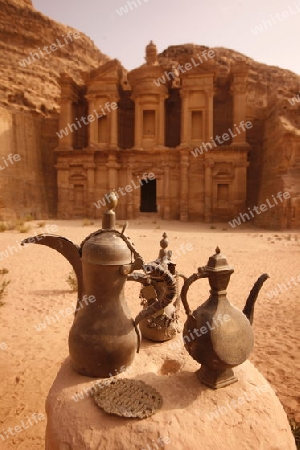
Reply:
x=218 y=335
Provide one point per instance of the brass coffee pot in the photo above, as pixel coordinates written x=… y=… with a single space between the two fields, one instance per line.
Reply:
x=218 y=335
x=103 y=337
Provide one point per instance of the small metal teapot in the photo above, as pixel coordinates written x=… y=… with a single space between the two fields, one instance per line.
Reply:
x=218 y=335
x=164 y=324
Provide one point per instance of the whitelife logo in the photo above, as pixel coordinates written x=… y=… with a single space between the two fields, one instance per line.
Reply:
x=259 y=209
x=9 y=160
x=53 y=47
x=24 y=425
x=49 y=320
x=249 y=396
x=225 y=137
x=280 y=286
x=295 y=99
x=10 y=250
x=279 y=17
x=124 y=9
x=129 y=188
x=86 y=120
x=179 y=343
x=185 y=68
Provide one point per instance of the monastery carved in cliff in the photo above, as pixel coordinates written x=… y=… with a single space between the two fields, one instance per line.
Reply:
x=164 y=115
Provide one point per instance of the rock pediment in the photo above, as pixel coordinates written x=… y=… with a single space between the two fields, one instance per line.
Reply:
x=111 y=69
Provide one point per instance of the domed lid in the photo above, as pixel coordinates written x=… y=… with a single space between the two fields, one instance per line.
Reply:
x=218 y=263
x=108 y=246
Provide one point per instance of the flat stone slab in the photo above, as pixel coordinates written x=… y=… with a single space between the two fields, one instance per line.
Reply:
x=245 y=415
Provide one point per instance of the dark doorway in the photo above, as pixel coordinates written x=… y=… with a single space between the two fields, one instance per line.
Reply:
x=148 y=196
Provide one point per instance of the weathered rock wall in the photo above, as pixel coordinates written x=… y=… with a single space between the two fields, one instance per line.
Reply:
x=28 y=184
x=29 y=102
x=280 y=164
x=32 y=88
x=24 y=32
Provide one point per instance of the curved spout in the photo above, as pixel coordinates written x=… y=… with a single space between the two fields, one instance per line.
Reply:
x=69 y=250
x=249 y=306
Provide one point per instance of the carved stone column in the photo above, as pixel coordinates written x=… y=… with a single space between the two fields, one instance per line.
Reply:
x=93 y=125
x=210 y=128
x=63 y=190
x=65 y=118
x=129 y=195
x=138 y=125
x=240 y=185
x=114 y=127
x=208 y=191
x=69 y=96
x=238 y=89
x=167 y=199
x=161 y=122
x=113 y=168
x=90 y=173
x=184 y=185
x=184 y=118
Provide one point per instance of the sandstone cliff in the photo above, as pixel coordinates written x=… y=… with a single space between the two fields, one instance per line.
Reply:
x=29 y=96
x=23 y=31
x=29 y=102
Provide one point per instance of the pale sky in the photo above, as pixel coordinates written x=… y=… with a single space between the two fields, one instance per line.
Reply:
x=214 y=23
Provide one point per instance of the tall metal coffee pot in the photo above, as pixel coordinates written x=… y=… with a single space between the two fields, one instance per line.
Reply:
x=104 y=338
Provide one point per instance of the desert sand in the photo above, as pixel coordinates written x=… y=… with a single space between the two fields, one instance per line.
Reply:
x=30 y=359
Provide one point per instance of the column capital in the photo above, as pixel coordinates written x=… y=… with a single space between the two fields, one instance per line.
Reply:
x=209 y=163
x=238 y=88
x=184 y=93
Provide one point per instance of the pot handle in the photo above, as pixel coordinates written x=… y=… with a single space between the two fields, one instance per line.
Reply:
x=187 y=283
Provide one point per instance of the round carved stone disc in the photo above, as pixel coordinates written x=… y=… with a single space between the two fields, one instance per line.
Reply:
x=127 y=398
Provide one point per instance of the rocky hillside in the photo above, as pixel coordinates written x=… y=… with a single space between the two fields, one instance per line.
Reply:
x=24 y=33
x=34 y=50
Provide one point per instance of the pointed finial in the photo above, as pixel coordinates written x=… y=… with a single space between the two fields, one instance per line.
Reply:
x=163 y=253
x=218 y=251
x=109 y=216
x=164 y=242
x=151 y=53
x=112 y=200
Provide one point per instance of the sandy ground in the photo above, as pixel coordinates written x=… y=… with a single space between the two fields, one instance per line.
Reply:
x=30 y=359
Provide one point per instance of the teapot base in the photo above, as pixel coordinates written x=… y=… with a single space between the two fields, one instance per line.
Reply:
x=216 y=379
